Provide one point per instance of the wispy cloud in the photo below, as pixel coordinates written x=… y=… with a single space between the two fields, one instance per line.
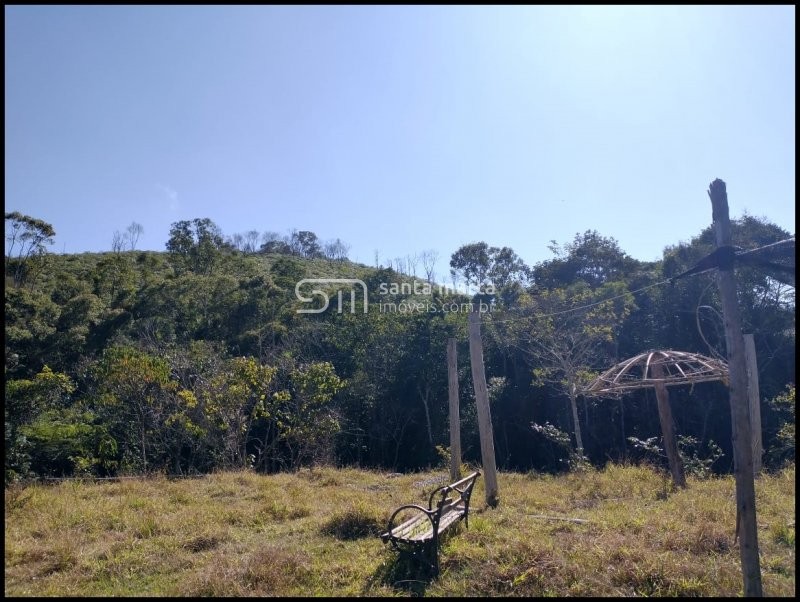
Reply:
x=170 y=194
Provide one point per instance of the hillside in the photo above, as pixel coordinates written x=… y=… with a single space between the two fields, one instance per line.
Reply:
x=204 y=357
x=313 y=533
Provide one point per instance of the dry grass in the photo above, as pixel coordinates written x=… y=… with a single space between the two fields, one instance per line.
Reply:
x=314 y=533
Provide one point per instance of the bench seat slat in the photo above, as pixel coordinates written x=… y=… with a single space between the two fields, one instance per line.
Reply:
x=411 y=522
x=417 y=532
x=449 y=518
x=410 y=526
x=405 y=532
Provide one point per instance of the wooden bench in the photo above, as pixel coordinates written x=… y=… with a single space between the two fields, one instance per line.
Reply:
x=420 y=533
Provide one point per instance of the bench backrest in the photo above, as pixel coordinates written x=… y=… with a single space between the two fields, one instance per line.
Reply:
x=462 y=490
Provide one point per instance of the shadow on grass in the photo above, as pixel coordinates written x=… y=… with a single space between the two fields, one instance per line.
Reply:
x=406 y=573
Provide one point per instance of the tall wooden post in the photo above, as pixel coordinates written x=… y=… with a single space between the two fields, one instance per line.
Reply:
x=740 y=414
x=754 y=400
x=668 y=428
x=484 y=415
x=455 y=423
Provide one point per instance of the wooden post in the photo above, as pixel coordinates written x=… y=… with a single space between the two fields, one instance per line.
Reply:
x=667 y=428
x=754 y=400
x=740 y=414
x=455 y=424
x=484 y=415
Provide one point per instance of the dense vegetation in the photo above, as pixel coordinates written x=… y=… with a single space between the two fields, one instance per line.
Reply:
x=195 y=358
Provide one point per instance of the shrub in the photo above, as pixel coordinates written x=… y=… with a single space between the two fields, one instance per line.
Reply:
x=355 y=522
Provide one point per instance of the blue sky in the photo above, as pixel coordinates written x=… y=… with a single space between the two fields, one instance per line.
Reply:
x=399 y=128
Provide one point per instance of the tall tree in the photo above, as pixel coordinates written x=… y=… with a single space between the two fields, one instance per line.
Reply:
x=133 y=389
x=479 y=265
x=569 y=333
x=25 y=401
x=471 y=263
x=306 y=243
x=133 y=232
x=28 y=236
x=590 y=258
x=195 y=245
x=429 y=258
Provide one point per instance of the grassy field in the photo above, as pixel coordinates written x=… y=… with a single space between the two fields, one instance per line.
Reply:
x=314 y=533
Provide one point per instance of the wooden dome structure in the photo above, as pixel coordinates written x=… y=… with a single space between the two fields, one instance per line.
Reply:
x=660 y=369
x=651 y=368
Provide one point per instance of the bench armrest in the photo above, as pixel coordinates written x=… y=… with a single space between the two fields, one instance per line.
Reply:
x=469 y=481
x=387 y=535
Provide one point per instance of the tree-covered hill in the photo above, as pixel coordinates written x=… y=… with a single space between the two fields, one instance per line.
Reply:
x=196 y=358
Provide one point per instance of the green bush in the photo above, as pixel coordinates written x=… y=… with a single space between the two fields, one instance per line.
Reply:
x=354 y=523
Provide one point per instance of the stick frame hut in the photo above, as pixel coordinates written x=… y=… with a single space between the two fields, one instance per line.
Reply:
x=660 y=369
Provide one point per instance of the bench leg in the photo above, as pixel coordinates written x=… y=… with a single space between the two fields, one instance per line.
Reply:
x=433 y=556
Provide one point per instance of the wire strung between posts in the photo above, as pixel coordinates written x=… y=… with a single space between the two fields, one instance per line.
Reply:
x=565 y=311
x=714 y=353
x=527 y=351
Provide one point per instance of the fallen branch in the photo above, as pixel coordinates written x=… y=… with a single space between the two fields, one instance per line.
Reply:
x=566 y=518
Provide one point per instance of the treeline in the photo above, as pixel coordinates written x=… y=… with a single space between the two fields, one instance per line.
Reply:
x=204 y=234
x=196 y=358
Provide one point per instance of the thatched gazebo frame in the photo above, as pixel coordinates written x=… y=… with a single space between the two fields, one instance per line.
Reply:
x=660 y=369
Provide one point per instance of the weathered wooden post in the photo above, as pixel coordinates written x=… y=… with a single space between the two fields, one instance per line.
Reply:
x=484 y=415
x=754 y=400
x=455 y=423
x=667 y=428
x=740 y=414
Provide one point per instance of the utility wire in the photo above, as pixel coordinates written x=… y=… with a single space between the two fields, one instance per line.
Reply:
x=713 y=351
x=564 y=311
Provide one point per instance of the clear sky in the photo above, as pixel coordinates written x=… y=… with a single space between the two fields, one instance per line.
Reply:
x=399 y=128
